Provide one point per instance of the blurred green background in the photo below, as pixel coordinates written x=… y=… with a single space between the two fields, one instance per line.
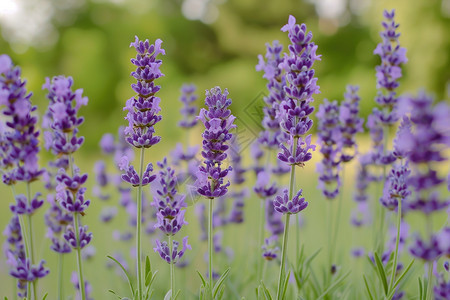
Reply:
x=208 y=43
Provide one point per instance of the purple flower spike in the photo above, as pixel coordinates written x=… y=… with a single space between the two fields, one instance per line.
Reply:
x=350 y=123
x=19 y=136
x=392 y=57
x=261 y=186
x=84 y=236
x=301 y=154
x=189 y=111
x=143 y=109
x=396 y=187
x=428 y=251
x=218 y=122
x=283 y=205
x=174 y=256
x=23 y=271
x=23 y=207
x=170 y=226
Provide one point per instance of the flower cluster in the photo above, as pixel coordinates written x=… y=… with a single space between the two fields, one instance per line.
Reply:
x=56 y=220
x=272 y=135
x=284 y=205
x=350 y=123
x=427 y=143
x=396 y=187
x=143 y=109
x=19 y=138
x=189 y=111
x=169 y=214
x=388 y=73
x=218 y=122
x=329 y=133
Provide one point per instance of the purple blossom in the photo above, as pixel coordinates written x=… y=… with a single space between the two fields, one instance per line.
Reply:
x=22 y=205
x=175 y=255
x=143 y=108
x=84 y=237
x=396 y=187
x=270 y=248
x=274 y=222
x=69 y=192
x=301 y=154
x=19 y=136
x=426 y=250
x=262 y=187
x=132 y=177
x=179 y=154
x=284 y=205
x=76 y=283
x=392 y=57
x=330 y=136
x=24 y=271
x=350 y=123
x=218 y=122
x=402 y=141
x=189 y=110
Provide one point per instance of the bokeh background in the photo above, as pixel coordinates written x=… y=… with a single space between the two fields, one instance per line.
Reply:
x=208 y=43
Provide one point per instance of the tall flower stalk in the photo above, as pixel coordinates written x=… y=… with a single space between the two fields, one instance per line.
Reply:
x=142 y=116
x=63 y=140
x=218 y=122
x=19 y=149
x=295 y=121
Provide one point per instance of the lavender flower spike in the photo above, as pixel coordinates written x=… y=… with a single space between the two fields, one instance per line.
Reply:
x=189 y=111
x=143 y=108
x=218 y=121
x=284 y=205
x=171 y=257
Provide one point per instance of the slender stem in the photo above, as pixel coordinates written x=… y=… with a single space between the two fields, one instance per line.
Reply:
x=329 y=238
x=264 y=270
x=286 y=228
x=60 y=276
x=380 y=239
x=138 y=227
x=338 y=217
x=262 y=221
x=394 y=265
x=283 y=256
x=210 y=246
x=172 y=271
x=79 y=260
x=30 y=232
x=430 y=277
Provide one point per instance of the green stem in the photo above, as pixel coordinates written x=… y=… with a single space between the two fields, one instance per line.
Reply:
x=394 y=265
x=286 y=228
x=283 y=256
x=138 y=226
x=430 y=277
x=79 y=260
x=172 y=271
x=210 y=246
x=338 y=217
x=30 y=235
x=60 y=276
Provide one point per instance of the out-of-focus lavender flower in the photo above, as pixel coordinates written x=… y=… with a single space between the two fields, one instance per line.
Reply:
x=284 y=205
x=330 y=136
x=361 y=214
x=143 y=109
x=171 y=257
x=424 y=250
x=84 y=237
x=274 y=222
x=88 y=252
x=76 y=283
x=23 y=271
x=396 y=187
x=262 y=187
x=402 y=141
x=18 y=134
x=357 y=252
x=392 y=57
x=378 y=155
x=179 y=154
x=108 y=213
x=63 y=109
x=236 y=214
x=23 y=206
x=257 y=154
x=444 y=241
x=350 y=123
x=270 y=248
x=218 y=122
x=56 y=220
x=272 y=135
x=189 y=111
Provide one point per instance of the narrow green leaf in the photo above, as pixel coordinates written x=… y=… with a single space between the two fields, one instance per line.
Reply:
x=335 y=284
x=367 y=287
x=201 y=277
x=45 y=296
x=115 y=294
x=397 y=282
x=381 y=273
x=420 y=289
x=126 y=273
x=176 y=295
x=148 y=267
x=219 y=282
x=168 y=295
x=311 y=257
x=286 y=281
x=267 y=294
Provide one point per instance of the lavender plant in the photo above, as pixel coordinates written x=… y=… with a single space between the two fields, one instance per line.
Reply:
x=19 y=163
x=218 y=122
x=63 y=139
